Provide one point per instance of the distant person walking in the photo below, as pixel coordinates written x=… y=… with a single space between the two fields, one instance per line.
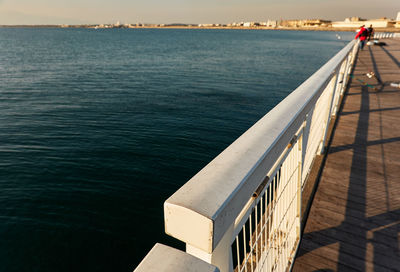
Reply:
x=371 y=32
x=362 y=35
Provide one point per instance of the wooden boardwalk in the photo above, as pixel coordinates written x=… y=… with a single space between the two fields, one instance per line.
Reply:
x=354 y=221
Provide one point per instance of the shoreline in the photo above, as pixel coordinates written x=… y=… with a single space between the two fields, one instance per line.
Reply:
x=391 y=29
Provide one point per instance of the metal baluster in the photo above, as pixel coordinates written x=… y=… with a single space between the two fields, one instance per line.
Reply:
x=244 y=247
x=251 y=242
x=257 y=240
x=237 y=253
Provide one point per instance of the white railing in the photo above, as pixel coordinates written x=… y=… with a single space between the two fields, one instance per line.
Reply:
x=242 y=212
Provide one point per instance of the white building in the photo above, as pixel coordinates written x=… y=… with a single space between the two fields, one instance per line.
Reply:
x=272 y=23
x=357 y=22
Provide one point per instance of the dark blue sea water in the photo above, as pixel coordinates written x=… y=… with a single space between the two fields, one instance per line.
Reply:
x=99 y=127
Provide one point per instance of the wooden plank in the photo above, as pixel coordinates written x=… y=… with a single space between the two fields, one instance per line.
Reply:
x=354 y=258
x=350 y=231
x=330 y=236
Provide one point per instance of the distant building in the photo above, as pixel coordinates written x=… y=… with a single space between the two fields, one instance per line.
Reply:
x=356 y=22
x=251 y=24
x=305 y=23
x=269 y=23
x=238 y=24
x=206 y=25
x=272 y=23
x=316 y=22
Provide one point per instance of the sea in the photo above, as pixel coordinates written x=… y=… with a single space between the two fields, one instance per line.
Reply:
x=99 y=127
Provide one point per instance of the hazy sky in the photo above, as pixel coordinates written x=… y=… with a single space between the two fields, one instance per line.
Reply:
x=187 y=11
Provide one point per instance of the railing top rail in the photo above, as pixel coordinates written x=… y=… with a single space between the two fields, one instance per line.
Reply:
x=213 y=198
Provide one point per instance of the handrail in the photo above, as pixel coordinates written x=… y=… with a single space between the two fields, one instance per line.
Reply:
x=243 y=210
x=201 y=211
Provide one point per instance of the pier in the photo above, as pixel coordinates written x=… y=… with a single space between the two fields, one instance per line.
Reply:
x=312 y=186
x=354 y=221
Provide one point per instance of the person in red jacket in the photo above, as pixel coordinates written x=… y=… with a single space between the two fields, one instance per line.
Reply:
x=363 y=35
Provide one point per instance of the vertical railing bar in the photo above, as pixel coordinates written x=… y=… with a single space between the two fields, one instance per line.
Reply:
x=279 y=199
x=284 y=204
x=298 y=183
x=267 y=244
x=278 y=209
x=290 y=214
x=288 y=207
x=280 y=206
x=238 y=253
x=266 y=220
x=257 y=242
x=244 y=247
x=262 y=223
x=273 y=221
x=277 y=215
x=292 y=207
x=251 y=242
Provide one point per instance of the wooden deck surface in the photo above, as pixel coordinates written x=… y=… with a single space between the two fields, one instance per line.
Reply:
x=354 y=221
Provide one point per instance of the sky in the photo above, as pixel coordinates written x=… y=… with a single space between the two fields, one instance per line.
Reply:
x=14 y=12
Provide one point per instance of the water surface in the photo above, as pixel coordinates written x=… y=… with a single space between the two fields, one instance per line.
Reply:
x=99 y=127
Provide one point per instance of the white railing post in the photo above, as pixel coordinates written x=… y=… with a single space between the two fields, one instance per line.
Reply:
x=221 y=256
x=351 y=57
x=340 y=87
x=346 y=73
x=354 y=54
x=332 y=90
x=299 y=183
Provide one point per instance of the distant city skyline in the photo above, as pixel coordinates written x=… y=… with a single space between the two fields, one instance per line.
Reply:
x=14 y=12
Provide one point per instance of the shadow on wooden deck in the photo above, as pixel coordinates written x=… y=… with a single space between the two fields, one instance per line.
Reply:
x=354 y=221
